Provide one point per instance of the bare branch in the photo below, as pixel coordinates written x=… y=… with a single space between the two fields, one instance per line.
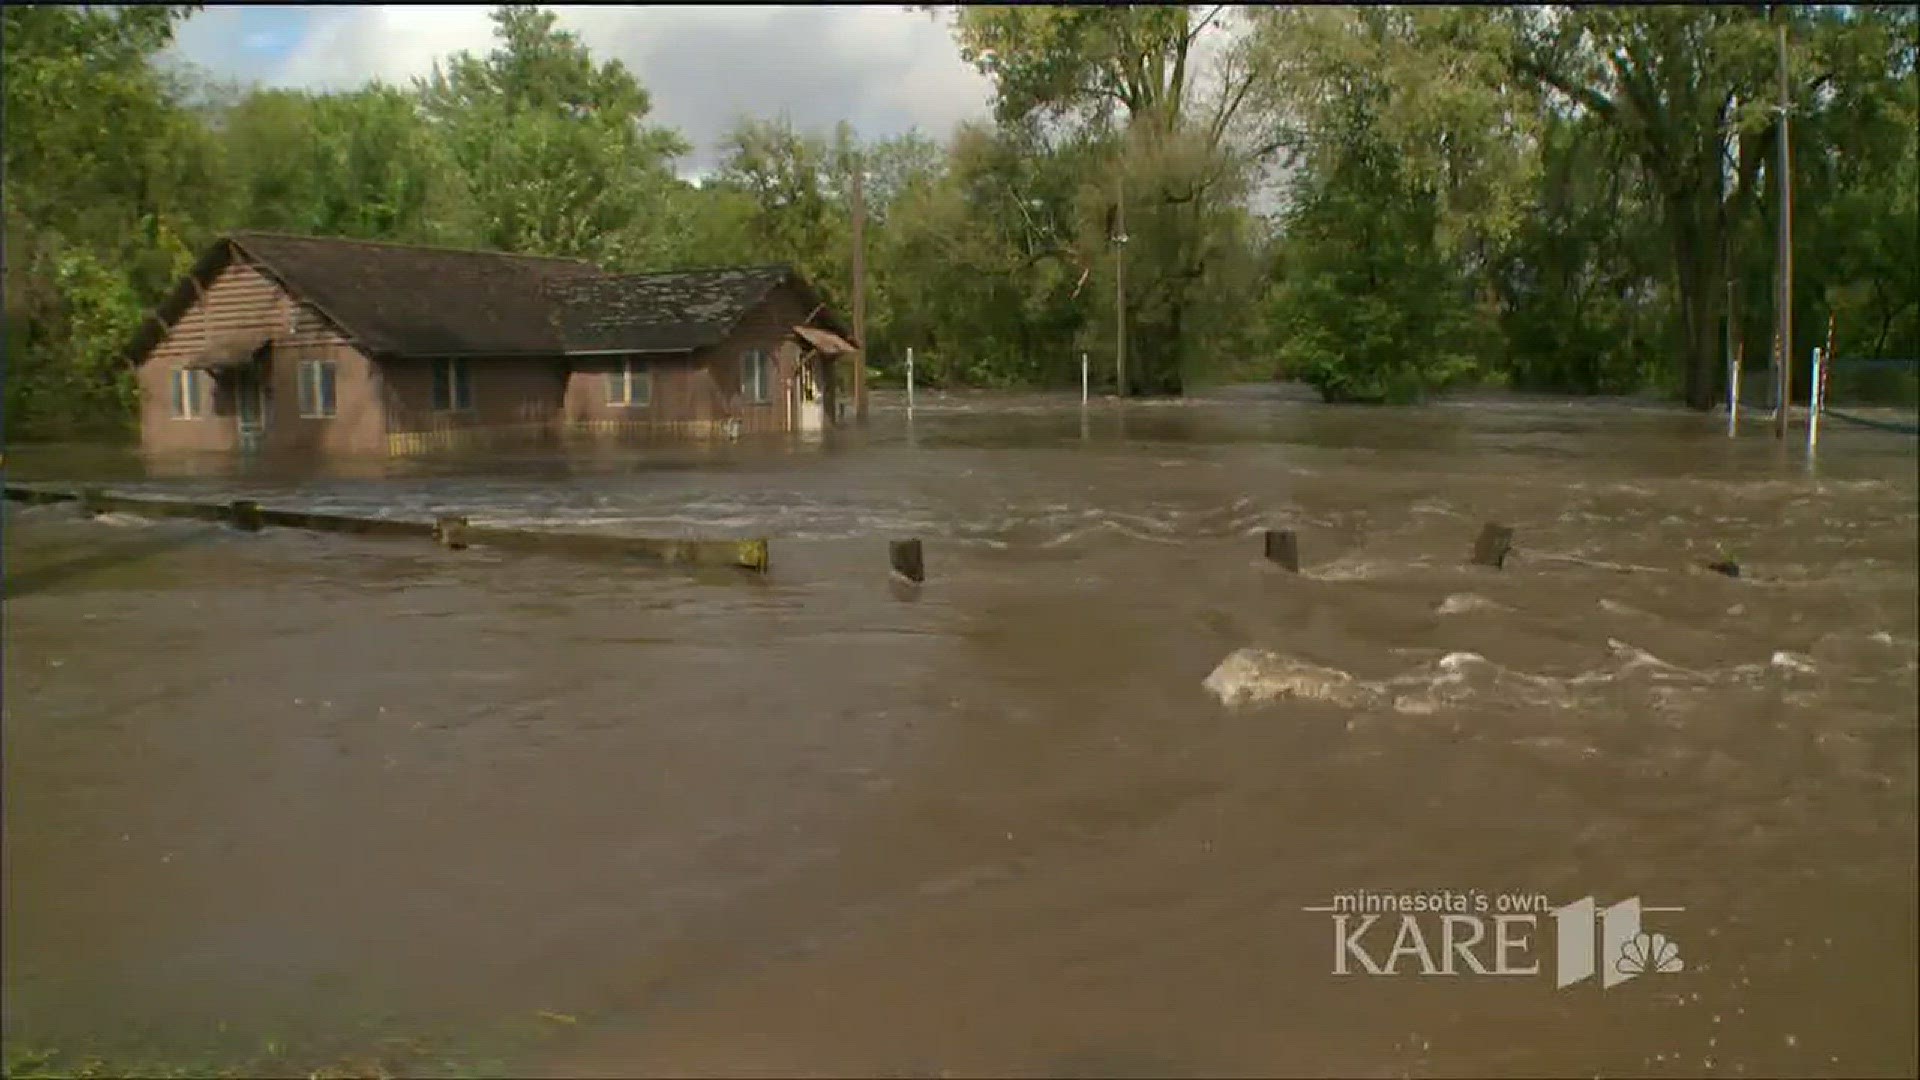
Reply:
x=1211 y=15
x=1592 y=99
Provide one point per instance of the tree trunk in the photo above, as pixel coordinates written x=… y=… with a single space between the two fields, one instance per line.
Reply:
x=1168 y=377
x=1696 y=257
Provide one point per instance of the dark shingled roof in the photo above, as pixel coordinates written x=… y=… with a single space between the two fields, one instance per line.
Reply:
x=398 y=300
x=658 y=312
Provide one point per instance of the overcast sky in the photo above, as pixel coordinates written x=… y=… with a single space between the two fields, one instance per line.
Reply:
x=885 y=70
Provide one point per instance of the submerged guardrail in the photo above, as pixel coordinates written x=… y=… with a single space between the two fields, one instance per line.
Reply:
x=450 y=531
x=907 y=561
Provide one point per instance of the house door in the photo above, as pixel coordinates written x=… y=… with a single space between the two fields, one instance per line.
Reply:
x=250 y=407
x=811 y=406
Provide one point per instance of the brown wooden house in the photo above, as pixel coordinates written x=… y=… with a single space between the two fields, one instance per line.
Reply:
x=356 y=347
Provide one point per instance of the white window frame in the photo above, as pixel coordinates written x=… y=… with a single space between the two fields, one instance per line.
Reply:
x=186 y=391
x=756 y=361
x=313 y=405
x=459 y=377
x=631 y=375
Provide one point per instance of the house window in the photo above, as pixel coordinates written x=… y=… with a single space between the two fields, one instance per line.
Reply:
x=452 y=389
x=756 y=375
x=630 y=384
x=188 y=400
x=317 y=379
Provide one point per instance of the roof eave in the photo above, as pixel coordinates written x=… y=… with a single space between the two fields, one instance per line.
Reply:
x=526 y=354
x=632 y=352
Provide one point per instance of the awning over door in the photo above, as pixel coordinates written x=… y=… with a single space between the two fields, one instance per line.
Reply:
x=228 y=353
x=828 y=342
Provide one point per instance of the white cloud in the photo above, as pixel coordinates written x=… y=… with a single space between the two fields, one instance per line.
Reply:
x=348 y=46
x=885 y=70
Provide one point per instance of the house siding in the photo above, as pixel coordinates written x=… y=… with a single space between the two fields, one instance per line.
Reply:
x=682 y=390
x=701 y=393
x=239 y=299
x=768 y=327
x=356 y=427
x=511 y=395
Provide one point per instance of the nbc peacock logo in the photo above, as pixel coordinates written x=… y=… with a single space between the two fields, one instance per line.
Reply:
x=1611 y=943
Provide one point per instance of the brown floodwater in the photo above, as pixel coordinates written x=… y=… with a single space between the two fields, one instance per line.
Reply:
x=348 y=798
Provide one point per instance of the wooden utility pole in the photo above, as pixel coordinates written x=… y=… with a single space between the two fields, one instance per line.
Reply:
x=1120 y=290
x=859 y=296
x=1784 y=373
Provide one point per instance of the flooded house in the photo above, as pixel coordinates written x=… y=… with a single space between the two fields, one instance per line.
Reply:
x=336 y=346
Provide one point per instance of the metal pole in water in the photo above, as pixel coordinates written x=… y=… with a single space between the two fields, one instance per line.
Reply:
x=909 y=380
x=1816 y=399
x=1733 y=395
x=1083 y=380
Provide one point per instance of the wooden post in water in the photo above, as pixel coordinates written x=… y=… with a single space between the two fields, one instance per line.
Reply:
x=245 y=514
x=906 y=559
x=451 y=532
x=1283 y=547
x=1492 y=546
x=751 y=555
x=909 y=382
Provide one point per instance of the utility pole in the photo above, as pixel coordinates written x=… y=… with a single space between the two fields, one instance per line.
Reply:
x=1120 y=290
x=1785 y=315
x=859 y=296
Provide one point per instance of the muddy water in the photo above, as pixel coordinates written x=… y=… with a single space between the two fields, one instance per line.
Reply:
x=591 y=819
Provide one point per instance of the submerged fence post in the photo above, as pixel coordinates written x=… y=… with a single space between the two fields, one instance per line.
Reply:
x=1492 y=546
x=909 y=381
x=451 y=532
x=245 y=514
x=1083 y=380
x=752 y=555
x=906 y=560
x=1283 y=547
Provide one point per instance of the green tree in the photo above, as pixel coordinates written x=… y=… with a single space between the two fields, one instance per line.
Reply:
x=553 y=146
x=1581 y=304
x=796 y=185
x=1690 y=92
x=361 y=164
x=1411 y=174
x=1856 y=148
x=103 y=167
x=1126 y=78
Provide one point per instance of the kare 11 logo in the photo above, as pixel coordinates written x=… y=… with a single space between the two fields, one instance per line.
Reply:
x=1474 y=933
